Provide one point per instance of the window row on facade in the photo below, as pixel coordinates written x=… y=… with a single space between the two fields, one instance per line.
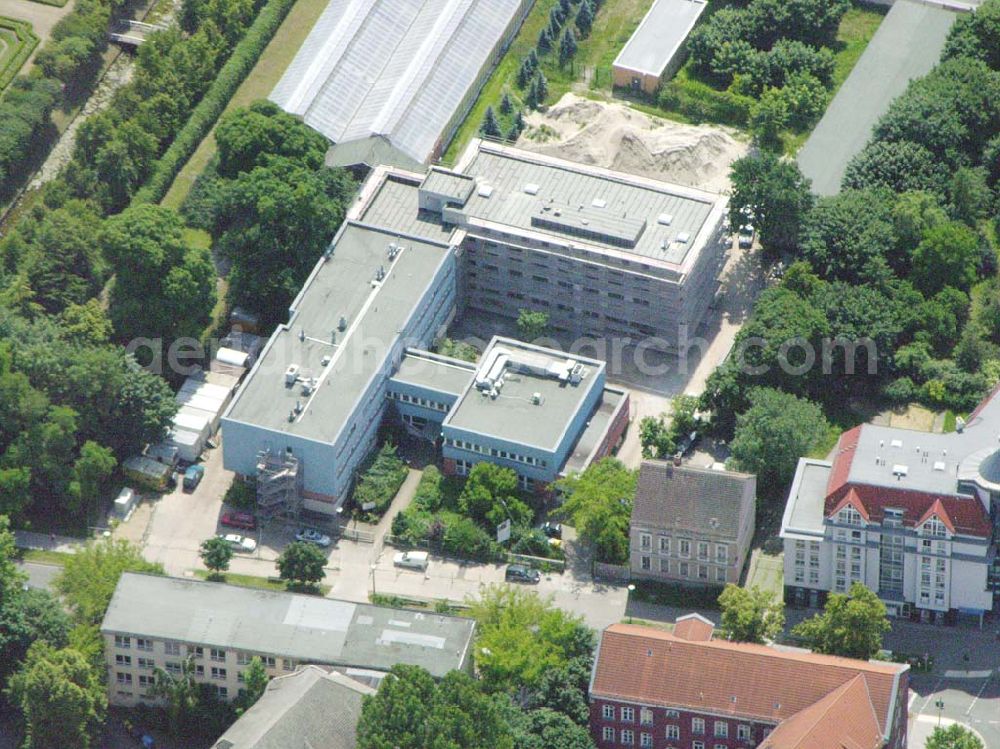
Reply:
x=683 y=548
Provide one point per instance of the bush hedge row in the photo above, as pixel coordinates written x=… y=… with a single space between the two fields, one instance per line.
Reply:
x=214 y=102
x=27 y=40
x=700 y=102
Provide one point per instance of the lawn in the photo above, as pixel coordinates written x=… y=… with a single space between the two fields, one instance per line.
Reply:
x=767 y=572
x=262 y=79
x=43 y=556
x=251 y=581
x=590 y=67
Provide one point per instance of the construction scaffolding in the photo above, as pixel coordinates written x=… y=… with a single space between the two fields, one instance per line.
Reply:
x=279 y=484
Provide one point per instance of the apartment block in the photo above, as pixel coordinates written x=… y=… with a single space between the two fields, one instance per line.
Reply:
x=907 y=513
x=653 y=689
x=164 y=622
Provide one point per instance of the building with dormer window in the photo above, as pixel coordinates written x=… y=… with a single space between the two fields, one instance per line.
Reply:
x=906 y=513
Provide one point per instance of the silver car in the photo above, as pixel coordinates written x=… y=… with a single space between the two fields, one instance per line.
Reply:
x=313 y=537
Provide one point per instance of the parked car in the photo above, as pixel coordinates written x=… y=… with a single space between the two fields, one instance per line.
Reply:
x=193 y=476
x=522 y=573
x=552 y=530
x=414 y=560
x=239 y=543
x=243 y=520
x=313 y=537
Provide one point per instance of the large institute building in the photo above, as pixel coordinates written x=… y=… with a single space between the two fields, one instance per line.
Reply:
x=606 y=255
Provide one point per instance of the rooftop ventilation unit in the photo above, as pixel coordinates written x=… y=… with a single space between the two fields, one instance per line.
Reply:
x=939 y=465
x=342 y=324
x=380 y=273
x=298 y=406
x=896 y=443
x=536 y=399
x=684 y=237
x=531 y=188
x=393 y=250
x=484 y=191
x=665 y=218
x=325 y=360
x=291 y=374
x=899 y=470
x=598 y=202
x=302 y=334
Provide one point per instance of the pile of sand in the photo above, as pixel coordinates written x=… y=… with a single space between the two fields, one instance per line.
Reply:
x=615 y=136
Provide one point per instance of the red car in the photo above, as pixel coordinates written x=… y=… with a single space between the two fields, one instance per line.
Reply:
x=239 y=520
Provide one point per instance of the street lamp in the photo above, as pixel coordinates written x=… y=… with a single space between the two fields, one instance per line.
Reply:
x=939 y=704
x=373 y=568
x=631 y=590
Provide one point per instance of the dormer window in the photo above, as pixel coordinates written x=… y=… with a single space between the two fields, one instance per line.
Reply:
x=934 y=527
x=849 y=516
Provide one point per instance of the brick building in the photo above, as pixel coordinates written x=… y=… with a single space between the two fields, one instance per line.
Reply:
x=683 y=690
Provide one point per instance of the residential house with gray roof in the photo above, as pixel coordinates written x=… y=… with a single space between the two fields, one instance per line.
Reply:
x=690 y=524
x=311 y=708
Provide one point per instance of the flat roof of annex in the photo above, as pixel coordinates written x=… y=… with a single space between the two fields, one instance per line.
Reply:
x=341 y=328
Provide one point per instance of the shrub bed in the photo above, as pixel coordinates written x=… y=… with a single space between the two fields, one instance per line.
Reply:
x=380 y=482
x=25 y=42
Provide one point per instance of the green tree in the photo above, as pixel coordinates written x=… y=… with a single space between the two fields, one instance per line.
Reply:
x=301 y=565
x=955 y=736
x=411 y=711
x=216 y=554
x=543 y=88
x=490 y=496
x=851 y=625
x=750 y=614
x=549 y=729
x=773 y=434
x=506 y=104
x=255 y=680
x=599 y=504
x=531 y=324
x=520 y=636
x=585 y=18
x=248 y=137
x=180 y=691
x=164 y=289
x=491 y=126
x=656 y=437
x=457 y=349
x=948 y=255
x=769 y=117
x=90 y=472
x=775 y=194
x=564 y=690
x=897 y=165
x=60 y=696
x=567 y=46
x=89 y=577
x=544 y=41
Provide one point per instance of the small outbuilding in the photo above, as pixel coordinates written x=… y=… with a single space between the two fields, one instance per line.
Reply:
x=656 y=49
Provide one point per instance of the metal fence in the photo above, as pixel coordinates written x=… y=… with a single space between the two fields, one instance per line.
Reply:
x=614 y=573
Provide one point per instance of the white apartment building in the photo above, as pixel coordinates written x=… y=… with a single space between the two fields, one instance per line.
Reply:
x=891 y=511
x=156 y=622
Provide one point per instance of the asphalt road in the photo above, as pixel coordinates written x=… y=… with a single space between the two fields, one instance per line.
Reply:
x=971 y=701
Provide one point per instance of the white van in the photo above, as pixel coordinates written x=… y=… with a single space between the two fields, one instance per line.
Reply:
x=414 y=560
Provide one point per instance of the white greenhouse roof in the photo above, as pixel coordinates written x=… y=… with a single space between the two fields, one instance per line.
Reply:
x=397 y=68
x=660 y=35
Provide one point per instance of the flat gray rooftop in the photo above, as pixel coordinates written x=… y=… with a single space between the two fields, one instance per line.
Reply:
x=374 y=315
x=395 y=206
x=907 y=45
x=435 y=372
x=594 y=433
x=527 y=187
x=804 y=511
x=513 y=415
x=661 y=33
x=457 y=186
x=287 y=625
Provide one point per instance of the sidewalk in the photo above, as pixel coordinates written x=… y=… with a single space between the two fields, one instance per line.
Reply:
x=46 y=542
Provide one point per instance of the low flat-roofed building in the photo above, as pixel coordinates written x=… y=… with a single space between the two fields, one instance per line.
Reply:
x=318 y=388
x=655 y=50
x=157 y=622
x=310 y=708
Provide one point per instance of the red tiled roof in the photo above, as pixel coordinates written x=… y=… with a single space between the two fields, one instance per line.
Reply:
x=844 y=719
x=847 y=445
x=965 y=515
x=757 y=682
x=694 y=628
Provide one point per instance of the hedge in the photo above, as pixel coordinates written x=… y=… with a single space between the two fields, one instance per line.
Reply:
x=214 y=102
x=27 y=41
x=700 y=102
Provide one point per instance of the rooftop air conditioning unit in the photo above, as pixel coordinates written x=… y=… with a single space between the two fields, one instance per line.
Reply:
x=291 y=374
